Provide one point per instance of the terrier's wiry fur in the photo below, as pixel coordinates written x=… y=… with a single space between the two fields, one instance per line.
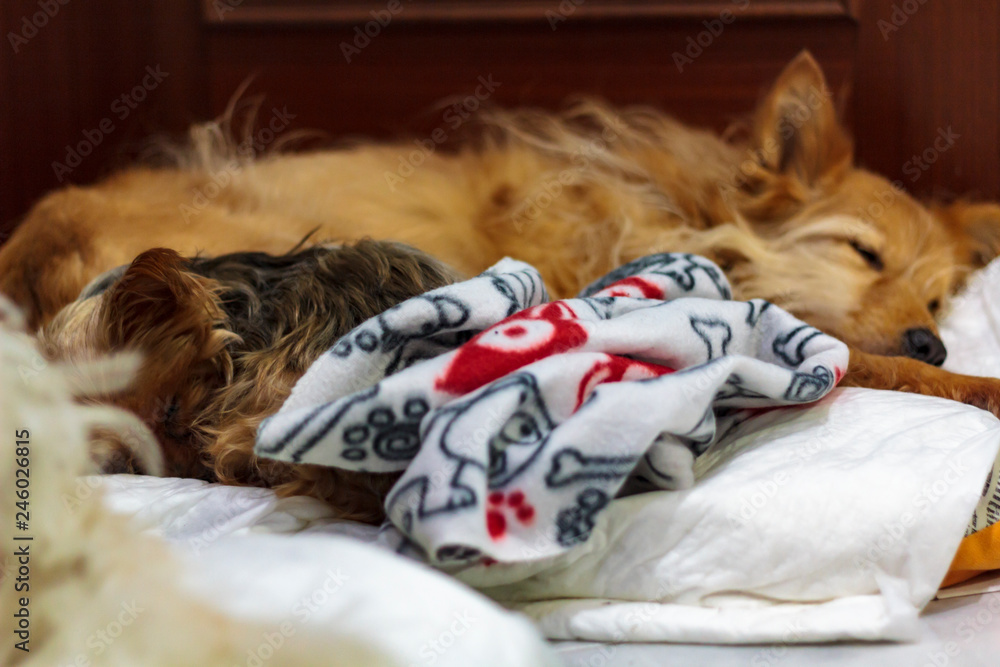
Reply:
x=223 y=341
x=781 y=207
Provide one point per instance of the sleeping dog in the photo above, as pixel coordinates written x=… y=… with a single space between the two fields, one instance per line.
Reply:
x=223 y=341
x=784 y=211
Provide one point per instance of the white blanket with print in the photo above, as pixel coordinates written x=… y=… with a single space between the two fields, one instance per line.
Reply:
x=515 y=421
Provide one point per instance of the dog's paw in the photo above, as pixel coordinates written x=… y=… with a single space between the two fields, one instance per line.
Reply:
x=983 y=393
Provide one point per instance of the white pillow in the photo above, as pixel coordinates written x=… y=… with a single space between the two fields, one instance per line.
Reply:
x=831 y=522
x=287 y=563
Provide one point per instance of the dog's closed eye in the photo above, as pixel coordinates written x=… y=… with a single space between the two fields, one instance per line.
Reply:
x=170 y=419
x=871 y=257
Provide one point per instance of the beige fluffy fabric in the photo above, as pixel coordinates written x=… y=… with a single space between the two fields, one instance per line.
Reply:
x=96 y=593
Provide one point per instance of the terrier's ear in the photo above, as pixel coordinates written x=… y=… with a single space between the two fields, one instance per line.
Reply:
x=796 y=131
x=172 y=318
x=163 y=311
x=148 y=297
x=976 y=230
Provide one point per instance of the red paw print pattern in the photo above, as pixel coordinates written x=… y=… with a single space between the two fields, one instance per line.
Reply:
x=502 y=505
x=634 y=287
x=513 y=343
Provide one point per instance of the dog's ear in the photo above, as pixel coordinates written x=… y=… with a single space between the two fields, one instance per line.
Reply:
x=976 y=229
x=795 y=129
x=154 y=294
x=172 y=318
x=165 y=312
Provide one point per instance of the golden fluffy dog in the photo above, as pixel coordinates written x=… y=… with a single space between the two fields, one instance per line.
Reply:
x=783 y=210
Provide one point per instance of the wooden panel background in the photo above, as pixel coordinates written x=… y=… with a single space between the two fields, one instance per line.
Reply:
x=354 y=11
x=941 y=68
x=623 y=61
x=65 y=79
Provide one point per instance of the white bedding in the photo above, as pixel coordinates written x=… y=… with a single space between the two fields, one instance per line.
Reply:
x=240 y=555
x=851 y=512
x=800 y=526
x=836 y=522
x=971 y=331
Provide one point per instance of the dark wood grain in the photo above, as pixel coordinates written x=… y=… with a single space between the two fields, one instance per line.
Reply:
x=396 y=82
x=940 y=69
x=63 y=82
x=353 y=11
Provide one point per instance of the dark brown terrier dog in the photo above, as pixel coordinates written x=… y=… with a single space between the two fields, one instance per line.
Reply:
x=223 y=342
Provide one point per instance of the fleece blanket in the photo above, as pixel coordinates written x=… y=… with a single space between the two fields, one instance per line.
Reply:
x=515 y=421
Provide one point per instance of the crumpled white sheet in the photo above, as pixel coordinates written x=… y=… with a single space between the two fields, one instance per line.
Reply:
x=288 y=564
x=835 y=521
x=832 y=522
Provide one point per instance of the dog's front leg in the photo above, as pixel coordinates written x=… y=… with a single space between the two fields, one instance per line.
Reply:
x=905 y=374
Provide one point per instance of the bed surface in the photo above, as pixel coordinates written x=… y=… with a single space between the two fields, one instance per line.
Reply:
x=779 y=608
x=962 y=632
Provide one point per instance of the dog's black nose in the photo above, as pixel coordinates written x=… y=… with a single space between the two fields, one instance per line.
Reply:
x=922 y=344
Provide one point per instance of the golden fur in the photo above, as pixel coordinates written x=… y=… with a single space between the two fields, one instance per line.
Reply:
x=781 y=207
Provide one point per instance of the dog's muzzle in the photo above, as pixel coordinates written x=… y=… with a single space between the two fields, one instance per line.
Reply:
x=923 y=345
